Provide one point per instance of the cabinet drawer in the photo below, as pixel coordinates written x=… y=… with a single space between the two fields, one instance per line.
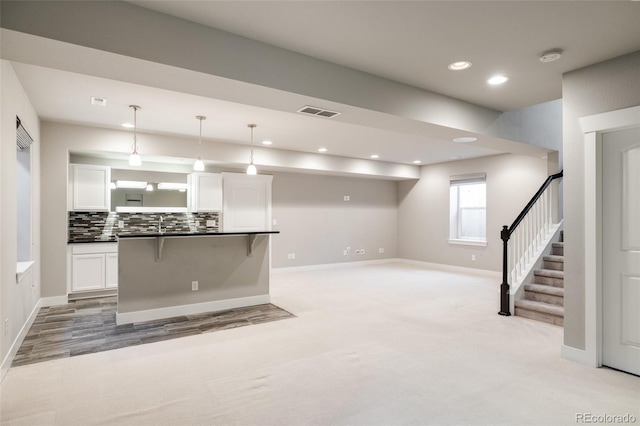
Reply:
x=88 y=248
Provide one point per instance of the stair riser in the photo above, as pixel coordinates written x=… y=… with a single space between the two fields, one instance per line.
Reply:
x=554 y=266
x=546 y=298
x=556 y=282
x=540 y=316
x=557 y=251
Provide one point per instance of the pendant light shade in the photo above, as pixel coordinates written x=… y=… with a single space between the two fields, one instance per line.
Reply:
x=198 y=166
x=134 y=158
x=251 y=169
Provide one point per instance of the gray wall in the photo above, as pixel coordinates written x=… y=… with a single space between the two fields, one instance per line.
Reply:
x=16 y=300
x=423 y=208
x=317 y=224
x=603 y=87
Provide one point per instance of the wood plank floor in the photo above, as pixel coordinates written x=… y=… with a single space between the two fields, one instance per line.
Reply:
x=89 y=325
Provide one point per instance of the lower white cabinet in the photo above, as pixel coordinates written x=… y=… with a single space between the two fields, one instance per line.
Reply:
x=93 y=266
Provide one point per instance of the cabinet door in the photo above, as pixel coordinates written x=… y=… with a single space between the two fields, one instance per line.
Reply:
x=205 y=192
x=88 y=272
x=112 y=270
x=90 y=187
x=247 y=202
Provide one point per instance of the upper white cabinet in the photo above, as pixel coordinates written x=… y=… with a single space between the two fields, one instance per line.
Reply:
x=205 y=192
x=247 y=202
x=89 y=187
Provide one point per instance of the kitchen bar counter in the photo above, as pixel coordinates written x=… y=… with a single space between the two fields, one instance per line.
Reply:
x=164 y=275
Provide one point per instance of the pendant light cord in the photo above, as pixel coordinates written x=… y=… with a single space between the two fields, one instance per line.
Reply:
x=135 y=128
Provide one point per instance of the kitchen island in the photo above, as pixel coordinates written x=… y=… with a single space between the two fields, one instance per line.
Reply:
x=165 y=275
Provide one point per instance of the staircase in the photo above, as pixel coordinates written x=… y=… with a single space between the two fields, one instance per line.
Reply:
x=544 y=297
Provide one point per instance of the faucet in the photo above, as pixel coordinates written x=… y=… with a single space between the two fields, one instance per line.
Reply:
x=160 y=231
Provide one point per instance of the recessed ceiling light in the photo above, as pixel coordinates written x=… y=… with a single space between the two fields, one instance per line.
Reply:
x=497 y=79
x=465 y=139
x=127 y=125
x=417 y=162
x=374 y=156
x=551 y=55
x=267 y=143
x=322 y=149
x=459 y=65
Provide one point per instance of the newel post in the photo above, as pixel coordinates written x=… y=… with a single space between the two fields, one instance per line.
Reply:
x=504 y=287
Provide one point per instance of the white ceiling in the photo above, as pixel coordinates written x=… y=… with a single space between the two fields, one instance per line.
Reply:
x=413 y=41
x=410 y=42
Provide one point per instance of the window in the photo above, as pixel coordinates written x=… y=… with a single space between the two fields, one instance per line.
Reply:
x=468 y=209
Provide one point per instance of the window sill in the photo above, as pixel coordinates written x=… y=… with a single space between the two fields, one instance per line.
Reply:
x=468 y=243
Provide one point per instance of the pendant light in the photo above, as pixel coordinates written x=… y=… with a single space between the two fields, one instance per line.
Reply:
x=198 y=166
x=134 y=158
x=251 y=169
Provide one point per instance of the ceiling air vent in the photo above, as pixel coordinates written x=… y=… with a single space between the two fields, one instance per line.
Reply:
x=318 y=112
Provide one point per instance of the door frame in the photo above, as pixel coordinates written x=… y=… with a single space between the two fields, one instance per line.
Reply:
x=593 y=127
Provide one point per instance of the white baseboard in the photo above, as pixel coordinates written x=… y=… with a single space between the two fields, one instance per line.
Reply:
x=578 y=355
x=438 y=266
x=453 y=268
x=6 y=363
x=53 y=301
x=330 y=265
x=192 y=309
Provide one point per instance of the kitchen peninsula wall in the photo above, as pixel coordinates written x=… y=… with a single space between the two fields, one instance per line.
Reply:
x=103 y=226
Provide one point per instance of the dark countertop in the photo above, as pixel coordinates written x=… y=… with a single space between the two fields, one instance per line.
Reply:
x=192 y=234
x=110 y=239
x=114 y=238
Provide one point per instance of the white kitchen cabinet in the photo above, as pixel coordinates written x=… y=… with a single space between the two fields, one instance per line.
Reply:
x=89 y=187
x=247 y=202
x=205 y=192
x=111 y=271
x=93 y=266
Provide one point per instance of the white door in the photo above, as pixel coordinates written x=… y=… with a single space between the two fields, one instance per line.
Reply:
x=621 y=250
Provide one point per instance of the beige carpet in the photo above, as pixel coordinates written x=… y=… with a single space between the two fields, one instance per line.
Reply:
x=371 y=345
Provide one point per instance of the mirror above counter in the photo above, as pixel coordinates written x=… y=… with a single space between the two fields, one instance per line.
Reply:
x=153 y=194
x=149 y=196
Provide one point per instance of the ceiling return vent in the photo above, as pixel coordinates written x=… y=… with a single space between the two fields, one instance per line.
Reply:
x=319 y=112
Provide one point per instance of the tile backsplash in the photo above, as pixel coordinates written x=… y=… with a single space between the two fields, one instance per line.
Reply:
x=103 y=226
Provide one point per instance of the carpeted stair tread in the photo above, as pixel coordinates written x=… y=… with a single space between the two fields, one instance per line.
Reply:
x=545 y=289
x=558 y=245
x=549 y=273
x=545 y=308
x=554 y=258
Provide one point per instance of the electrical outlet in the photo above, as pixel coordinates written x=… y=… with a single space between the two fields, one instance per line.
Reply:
x=347 y=198
x=194 y=285
x=346 y=253
x=473 y=257
x=275 y=222
x=291 y=256
x=121 y=224
x=381 y=250
x=357 y=251
x=348 y=250
x=363 y=251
